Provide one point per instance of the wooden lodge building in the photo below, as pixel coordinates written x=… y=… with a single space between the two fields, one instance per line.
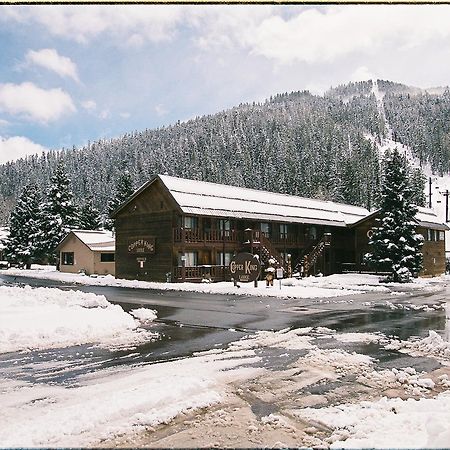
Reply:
x=174 y=229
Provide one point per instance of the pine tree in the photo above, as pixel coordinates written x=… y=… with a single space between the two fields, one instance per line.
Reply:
x=59 y=214
x=396 y=247
x=124 y=189
x=418 y=181
x=90 y=218
x=21 y=245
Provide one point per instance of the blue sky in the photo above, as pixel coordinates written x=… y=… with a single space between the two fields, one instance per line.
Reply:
x=74 y=73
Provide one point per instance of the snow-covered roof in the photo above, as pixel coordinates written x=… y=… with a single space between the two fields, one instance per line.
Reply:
x=218 y=200
x=427 y=218
x=96 y=240
x=4 y=232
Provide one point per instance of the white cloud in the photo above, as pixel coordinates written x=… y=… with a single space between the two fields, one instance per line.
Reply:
x=34 y=103
x=128 y=24
x=327 y=34
x=125 y=115
x=18 y=147
x=51 y=60
x=104 y=114
x=89 y=105
x=161 y=110
x=362 y=73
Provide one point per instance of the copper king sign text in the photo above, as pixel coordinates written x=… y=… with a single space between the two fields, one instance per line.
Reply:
x=245 y=267
x=141 y=245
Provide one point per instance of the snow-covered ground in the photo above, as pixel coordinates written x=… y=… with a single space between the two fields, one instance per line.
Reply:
x=46 y=318
x=311 y=287
x=112 y=404
x=109 y=404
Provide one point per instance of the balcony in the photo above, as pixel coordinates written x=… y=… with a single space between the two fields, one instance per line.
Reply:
x=196 y=235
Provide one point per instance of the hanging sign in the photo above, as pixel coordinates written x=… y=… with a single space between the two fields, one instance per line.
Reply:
x=245 y=267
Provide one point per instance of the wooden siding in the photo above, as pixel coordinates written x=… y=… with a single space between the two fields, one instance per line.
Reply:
x=433 y=251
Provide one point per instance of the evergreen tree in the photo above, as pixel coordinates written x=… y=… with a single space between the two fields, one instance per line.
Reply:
x=396 y=247
x=90 y=218
x=21 y=245
x=418 y=181
x=124 y=189
x=59 y=214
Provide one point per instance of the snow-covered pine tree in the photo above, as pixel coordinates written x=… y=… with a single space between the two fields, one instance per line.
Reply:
x=90 y=218
x=396 y=247
x=21 y=246
x=124 y=189
x=59 y=214
x=418 y=181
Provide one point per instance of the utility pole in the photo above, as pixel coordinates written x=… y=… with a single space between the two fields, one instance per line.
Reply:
x=446 y=193
x=429 y=193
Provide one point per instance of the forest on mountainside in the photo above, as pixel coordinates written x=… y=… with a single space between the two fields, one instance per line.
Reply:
x=295 y=143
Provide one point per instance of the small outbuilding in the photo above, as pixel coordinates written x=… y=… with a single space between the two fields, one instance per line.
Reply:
x=88 y=251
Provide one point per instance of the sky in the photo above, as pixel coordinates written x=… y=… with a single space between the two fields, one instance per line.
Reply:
x=70 y=74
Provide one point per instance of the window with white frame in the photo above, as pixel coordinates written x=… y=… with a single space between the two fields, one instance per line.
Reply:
x=190 y=258
x=190 y=222
x=220 y=261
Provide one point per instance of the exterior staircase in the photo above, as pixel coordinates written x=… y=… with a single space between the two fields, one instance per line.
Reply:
x=256 y=240
x=309 y=259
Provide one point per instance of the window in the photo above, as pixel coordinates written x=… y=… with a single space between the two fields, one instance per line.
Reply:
x=107 y=257
x=265 y=229
x=67 y=258
x=283 y=230
x=442 y=235
x=433 y=235
x=190 y=222
x=219 y=260
x=191 y=259
x=225 y=227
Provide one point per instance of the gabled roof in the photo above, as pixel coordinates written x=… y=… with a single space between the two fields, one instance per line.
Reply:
x=95 y=240
x=217 y=200
x=425 y=217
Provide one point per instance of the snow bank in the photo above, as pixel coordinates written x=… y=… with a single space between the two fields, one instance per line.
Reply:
x=47 y=318
x=433 y=345
x=113 y=404
x=393 y=423
x=311 y=287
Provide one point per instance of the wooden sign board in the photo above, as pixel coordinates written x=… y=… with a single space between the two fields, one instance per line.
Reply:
x=245 y=267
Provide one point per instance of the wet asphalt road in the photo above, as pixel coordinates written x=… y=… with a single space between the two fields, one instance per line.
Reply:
x=191 y=322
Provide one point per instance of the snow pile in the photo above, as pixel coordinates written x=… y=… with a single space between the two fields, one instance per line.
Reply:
x=433 y=345
x=296 y=339
x=340 y=361
x=47 y=318
x=359 y=282
x=144 y=314
x=387 y=423
x=364 y=338
x=395 y=378
x=110 y=404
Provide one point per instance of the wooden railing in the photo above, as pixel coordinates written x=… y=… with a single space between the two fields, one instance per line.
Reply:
x=197 y=235
x=214 y=273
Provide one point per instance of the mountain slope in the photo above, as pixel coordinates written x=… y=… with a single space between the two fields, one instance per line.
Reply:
x=298 y=143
